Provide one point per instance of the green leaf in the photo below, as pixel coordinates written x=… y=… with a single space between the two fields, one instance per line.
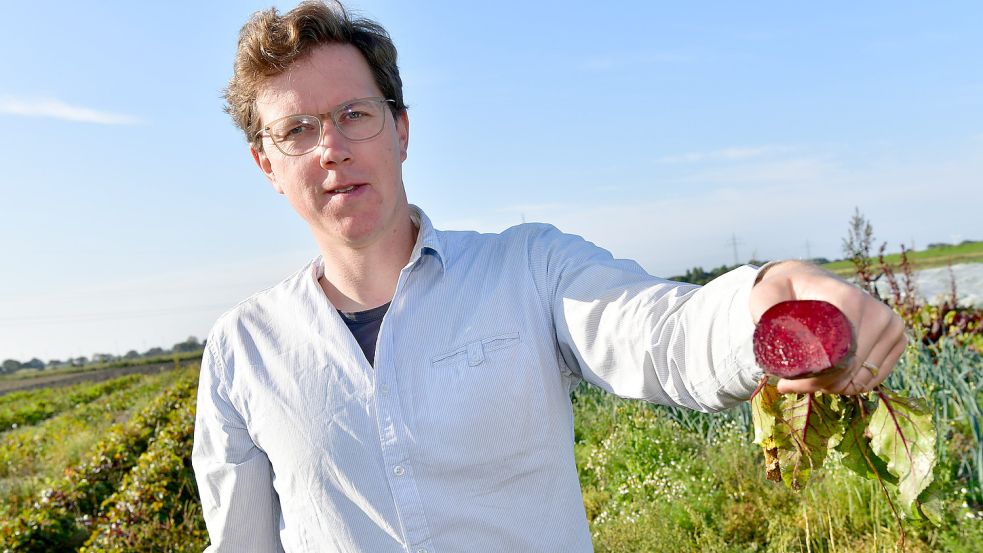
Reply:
x=902 y=434
x=855 y=444
x=765 y=407
x=931 y=504
x=803 y=431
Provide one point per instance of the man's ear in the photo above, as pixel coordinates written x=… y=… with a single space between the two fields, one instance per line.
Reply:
x=263 y=162
x=403 y=132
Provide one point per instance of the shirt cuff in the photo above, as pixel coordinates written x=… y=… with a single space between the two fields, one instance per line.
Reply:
x=737 y=374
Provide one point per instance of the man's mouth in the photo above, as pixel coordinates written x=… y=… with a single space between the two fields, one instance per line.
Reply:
x=346 y=189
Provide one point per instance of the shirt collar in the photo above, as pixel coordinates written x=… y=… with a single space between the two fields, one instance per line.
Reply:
x=428 y=240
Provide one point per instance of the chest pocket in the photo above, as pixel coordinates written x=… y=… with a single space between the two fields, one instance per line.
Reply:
x=473 y=354
x=482 y=403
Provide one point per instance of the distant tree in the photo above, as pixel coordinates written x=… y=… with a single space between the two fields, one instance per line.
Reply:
x=132 y=354
x=34 y=363
x=191 y=344
x=102 y=357
x=697 y=275
x=54 y=363
x=154 y=352
x=10 y=365
x=79 y=361
x=934 y=245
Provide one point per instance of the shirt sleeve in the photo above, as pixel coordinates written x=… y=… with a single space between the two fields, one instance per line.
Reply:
x=644 y=337
x=234 y=476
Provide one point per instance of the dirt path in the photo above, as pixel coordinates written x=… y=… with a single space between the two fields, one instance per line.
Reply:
x=58 y=380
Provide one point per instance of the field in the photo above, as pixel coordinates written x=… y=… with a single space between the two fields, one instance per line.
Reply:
x=26 y=378
x=969 y=252
x=105 y=467
x=100 y=467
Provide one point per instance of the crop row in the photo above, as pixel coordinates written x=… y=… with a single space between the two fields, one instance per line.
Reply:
x=33 y=406
x=30 y=454
x=156 y=507
x=60 y=517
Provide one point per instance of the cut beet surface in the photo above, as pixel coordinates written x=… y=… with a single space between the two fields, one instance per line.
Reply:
x=802 y=338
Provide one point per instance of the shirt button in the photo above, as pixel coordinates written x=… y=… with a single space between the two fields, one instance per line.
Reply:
x=421 y=550
x=398 y=470
x=384 y=390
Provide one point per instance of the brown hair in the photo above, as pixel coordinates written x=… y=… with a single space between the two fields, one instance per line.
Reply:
x=269 y=43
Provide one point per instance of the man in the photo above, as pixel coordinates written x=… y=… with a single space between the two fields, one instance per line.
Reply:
x=409 y=389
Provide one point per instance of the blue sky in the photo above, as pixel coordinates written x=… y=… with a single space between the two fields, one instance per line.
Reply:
x=131 y=214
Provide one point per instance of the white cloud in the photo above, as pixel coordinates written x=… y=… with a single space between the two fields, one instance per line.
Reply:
x=785 y=208
x=114 y=316
x=792 y=170
x=737 y=153
x=56 y=109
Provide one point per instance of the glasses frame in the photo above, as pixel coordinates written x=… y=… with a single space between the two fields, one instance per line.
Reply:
x=333 y=116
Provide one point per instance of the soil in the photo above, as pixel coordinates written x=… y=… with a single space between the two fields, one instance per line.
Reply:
x=58 y=380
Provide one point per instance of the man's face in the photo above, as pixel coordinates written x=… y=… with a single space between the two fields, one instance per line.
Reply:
x=317 y=183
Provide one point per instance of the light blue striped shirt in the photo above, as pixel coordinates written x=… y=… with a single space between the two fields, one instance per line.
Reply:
x=461 y=438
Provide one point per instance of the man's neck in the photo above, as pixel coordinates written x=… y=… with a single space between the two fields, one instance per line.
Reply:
x=358 y=279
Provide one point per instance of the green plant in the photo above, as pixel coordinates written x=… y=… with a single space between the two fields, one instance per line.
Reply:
x=156 y=506
x=30 y=407
x=62 y=512
x=30 y=455
x=856 y=247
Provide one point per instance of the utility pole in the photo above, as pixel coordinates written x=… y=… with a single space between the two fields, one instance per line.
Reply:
x=733 y=243
x=808 y=251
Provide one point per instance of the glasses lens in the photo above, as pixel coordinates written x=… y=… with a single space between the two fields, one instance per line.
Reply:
x=296 y=135
x=360 y=120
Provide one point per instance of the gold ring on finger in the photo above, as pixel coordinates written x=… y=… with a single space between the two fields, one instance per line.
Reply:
x=870 y=367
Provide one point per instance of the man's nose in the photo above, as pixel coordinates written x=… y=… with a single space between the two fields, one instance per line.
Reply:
x=335 y=148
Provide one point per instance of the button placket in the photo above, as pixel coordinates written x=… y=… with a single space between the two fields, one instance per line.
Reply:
x=393 y=436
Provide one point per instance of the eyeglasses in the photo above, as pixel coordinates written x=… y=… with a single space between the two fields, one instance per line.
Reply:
x=356 y=120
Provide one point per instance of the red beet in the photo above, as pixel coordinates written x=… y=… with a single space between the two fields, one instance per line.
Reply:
x=802 y=338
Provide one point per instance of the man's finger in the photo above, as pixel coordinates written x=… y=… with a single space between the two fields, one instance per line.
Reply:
x=890 y=360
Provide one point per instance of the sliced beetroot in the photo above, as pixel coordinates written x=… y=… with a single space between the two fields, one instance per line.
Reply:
x=802 y=338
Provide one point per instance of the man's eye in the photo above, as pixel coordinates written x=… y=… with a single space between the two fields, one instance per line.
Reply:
x=354 y=115
x=295 y=131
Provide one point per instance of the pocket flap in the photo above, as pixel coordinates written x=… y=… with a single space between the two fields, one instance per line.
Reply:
x=476 y=353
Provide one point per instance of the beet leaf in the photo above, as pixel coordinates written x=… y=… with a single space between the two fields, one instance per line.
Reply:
x=803 y=432
x=855 y=444
x=902 y=433
x=765 y=408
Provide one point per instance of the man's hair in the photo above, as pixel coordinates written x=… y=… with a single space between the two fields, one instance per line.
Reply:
x=269 y=43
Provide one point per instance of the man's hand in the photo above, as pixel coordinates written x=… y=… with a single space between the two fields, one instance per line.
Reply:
x=880 y=333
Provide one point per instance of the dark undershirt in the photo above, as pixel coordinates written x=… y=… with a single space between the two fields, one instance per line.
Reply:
x=364 y=326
